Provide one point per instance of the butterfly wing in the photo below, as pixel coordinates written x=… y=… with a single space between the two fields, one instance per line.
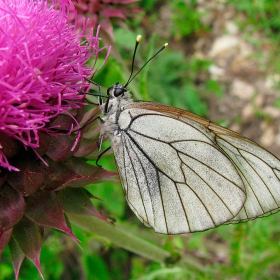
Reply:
x=175 y=177
x=258 y=168
x=260 y=173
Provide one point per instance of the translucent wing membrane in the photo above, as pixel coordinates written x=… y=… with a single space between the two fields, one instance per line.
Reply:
x=174 y=178
x=181 y=173
x=260 y=174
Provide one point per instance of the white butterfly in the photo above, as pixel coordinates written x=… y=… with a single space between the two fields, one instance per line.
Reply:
x=182 y=173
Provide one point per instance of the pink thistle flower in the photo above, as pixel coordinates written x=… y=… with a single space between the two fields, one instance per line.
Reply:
x=39 y=59
x=105 y=12
x=42 y=70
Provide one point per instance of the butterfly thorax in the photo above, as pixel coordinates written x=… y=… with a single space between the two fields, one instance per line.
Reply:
x=118 y=98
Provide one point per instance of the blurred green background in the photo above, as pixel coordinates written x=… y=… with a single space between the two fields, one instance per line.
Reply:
x=180 y=77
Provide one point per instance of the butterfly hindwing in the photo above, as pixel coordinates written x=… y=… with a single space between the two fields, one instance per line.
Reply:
x=260 y=172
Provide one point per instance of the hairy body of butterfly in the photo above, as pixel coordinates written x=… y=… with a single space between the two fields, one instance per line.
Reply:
x=182 y=173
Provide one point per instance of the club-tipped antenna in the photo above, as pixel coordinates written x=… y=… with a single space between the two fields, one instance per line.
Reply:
x=138 y=39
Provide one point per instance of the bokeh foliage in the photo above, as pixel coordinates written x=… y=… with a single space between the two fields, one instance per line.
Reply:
x=245 y=251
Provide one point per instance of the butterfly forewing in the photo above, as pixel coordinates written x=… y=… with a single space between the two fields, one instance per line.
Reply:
x=258 y=169
x=175 y=177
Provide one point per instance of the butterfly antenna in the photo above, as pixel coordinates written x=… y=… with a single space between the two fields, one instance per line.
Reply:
x=138 y=39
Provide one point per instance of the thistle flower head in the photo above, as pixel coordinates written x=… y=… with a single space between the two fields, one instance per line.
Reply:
x=42 y=61
x=42 y=70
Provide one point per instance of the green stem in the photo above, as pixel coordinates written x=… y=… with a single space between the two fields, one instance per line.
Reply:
x=120 y=237
x=125 y=238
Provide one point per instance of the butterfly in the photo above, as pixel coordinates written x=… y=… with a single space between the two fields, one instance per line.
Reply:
x=182 y=173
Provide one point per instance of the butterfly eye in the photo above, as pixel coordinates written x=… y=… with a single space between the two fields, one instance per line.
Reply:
x=119 y=92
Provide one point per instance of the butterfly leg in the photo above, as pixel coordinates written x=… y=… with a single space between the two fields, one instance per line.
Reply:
x=91 y=121
x=99 y=157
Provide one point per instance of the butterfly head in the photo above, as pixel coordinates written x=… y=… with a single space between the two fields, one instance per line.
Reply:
x=117 y=95
x=120 y=90
x=117 y=90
